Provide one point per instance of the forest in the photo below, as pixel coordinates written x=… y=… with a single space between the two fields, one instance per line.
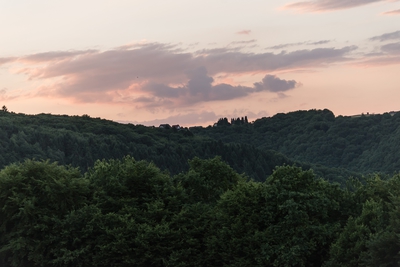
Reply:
x=81 y=140
x=304 y=188
x=365 y=143
x=130 y=213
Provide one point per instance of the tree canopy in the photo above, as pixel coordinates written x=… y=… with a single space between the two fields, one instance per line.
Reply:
x=124 y=212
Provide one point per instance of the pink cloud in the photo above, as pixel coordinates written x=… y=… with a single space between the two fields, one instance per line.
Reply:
x=5 y=94
x=327 y=5
x=122 y=75
x=389 y=55
x=245 y=32
x=5 y=60
x=54 y=56
x=379 y=61
x=245 y=42
x=393 y=12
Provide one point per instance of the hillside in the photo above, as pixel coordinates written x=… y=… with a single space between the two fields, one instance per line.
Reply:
x=335 y=147
x=81 y=140
x=362 y=144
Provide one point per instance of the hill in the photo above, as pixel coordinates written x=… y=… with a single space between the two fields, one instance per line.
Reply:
x=361 y=144
x=81 y=140
x=335 y=147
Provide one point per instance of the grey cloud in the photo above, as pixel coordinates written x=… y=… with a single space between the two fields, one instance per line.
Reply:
x=225 y=91
x=144 y=99
x=117 y=69
x=280 y=46
x=154 y=104
x=200 y=82
x=47 y=56
x=162 y=90
x=393 y=48
x=4 y=60
x=55 y=55
x=199 y=88
x=235 y=62
x=274 y=84
x=84 y=74
x=152 y=60
x=389 y=55
x=320 y=42
x=387 y=36
x=328 y=5
x=245 y=42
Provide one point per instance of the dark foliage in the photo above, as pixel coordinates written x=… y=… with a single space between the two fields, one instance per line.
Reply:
x=129 y=213
x=362 y=144
x=81 y=140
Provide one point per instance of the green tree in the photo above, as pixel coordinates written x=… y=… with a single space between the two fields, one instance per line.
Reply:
x=238 y=232
x=34 y=197
x=371 y=237
x=208 y=179
x=299 y=210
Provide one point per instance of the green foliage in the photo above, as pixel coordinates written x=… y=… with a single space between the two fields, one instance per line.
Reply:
x=80 y=141
x=300 y=209
x=290 y=220
x=371 y=237
x=361 y=144
x=127 y=212
x=208 y=179
x=34 y=197
x=238 y=232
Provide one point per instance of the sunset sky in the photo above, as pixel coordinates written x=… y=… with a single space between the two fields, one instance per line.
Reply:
x=192 y=62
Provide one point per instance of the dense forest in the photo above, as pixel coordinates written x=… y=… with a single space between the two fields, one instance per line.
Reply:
x=130 y=213
x=366 y=143
x=81 y=140
x=304 y=188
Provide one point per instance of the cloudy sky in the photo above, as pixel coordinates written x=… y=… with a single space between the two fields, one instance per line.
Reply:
x=192 y=62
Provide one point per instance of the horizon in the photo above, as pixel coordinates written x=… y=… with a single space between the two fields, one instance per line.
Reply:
x=146 y=62
x=161 y=121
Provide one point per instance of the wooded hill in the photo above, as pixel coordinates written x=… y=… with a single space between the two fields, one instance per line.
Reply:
x=81 y=140
x=364 y=144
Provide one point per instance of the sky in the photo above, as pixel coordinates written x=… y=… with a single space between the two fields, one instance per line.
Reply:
x=192 y=62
